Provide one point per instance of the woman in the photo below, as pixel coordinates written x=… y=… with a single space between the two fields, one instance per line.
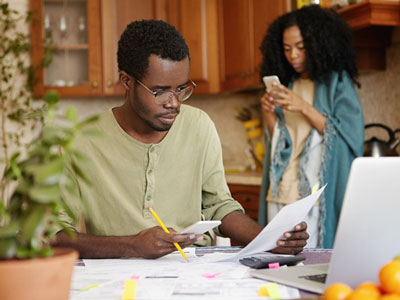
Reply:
x=314 y=119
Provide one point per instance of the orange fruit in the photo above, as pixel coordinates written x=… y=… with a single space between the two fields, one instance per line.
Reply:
x=337 y=291
x=389 y=277
x=369 y=288
x=361 y=295
x=390 y=297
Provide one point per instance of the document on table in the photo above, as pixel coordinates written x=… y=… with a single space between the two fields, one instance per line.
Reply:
x=286 y=219
x=167 y=278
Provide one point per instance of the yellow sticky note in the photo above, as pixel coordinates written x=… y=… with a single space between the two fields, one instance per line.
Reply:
x=273 y=291
x=129 y=289
x=263 y=291
x=89 y=287
x=315 y=188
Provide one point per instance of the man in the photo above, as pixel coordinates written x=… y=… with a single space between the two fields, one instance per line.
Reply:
x=160 y=153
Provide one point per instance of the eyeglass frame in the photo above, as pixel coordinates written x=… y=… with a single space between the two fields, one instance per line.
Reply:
x=169 y=91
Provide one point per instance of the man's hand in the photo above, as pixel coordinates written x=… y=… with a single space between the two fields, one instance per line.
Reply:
x=294 y=241
x=154 y=242
x=149 y=243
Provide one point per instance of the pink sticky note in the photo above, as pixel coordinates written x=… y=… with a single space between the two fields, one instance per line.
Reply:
x=210 y=275
x=273 y=265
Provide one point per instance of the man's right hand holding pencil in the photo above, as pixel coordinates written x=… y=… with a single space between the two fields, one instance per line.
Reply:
x=154 y=242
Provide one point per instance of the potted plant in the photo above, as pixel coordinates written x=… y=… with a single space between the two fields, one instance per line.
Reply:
x=35 y=176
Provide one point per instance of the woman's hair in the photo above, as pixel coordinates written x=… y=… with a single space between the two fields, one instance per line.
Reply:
x=327 y=40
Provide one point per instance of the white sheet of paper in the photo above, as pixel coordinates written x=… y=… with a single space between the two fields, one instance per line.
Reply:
x=288 y=217
x=162 y=279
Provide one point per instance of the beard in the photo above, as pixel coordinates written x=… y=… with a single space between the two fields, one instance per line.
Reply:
x=147 y=115
x=158 y=127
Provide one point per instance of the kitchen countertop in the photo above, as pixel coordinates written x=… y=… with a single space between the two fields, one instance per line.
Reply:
x=245 y=178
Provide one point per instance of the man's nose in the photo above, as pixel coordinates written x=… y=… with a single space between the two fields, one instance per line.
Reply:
x=173 y=101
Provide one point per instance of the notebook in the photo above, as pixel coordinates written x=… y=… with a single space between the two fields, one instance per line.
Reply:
x=367 y=235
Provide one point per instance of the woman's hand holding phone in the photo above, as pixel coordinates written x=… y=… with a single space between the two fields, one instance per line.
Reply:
x=288 y=100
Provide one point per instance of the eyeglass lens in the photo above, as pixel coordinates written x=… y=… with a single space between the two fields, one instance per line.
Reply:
x=165 y=97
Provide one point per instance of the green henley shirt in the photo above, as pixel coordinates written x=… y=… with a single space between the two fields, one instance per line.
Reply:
x=181 y=178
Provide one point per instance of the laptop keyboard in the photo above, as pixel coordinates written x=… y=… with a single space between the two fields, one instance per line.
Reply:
x=318 y=277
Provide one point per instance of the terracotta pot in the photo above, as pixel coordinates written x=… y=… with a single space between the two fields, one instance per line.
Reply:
x=46 y=278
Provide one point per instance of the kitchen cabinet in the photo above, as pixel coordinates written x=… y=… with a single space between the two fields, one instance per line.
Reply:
x=248 y=197
x=74 y=27
x=243 y=28
x=223 y=37
x=85 y=66
x=372 y=22
x=115 y=16
x=197 y=21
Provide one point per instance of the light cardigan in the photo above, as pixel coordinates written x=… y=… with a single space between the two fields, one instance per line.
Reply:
x=333 y=152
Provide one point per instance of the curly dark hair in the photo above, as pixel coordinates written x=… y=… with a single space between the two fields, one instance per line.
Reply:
x=327 y=40
x=142 y=38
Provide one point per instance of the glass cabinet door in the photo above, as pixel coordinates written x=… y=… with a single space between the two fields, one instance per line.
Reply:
x=71 y=30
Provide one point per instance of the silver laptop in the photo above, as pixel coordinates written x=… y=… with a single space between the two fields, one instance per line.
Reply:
x=368 y=233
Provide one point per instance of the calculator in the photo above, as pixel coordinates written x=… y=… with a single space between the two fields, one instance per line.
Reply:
x=260 y=262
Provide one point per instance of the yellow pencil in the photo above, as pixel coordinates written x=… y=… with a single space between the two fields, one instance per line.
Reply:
x=167 y=231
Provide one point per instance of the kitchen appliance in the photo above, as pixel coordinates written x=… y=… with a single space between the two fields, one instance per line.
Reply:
x=376 y=147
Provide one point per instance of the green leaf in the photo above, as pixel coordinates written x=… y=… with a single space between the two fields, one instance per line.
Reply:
x=78 y=171
x=70 y=213
x=89 y=120
x=45 y=252
x=72 y=115
x=8 y=247
x=52 y=97
x=23 y=252
x=77 y=155
x=92 y=133
x=33 y=224
x=9 y=230
x=35 y=243
x=48 y=173
x=45 y=194
x=55 y=135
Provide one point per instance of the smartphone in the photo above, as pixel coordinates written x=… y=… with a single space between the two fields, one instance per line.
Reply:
x=269 y=80
x=201 y=227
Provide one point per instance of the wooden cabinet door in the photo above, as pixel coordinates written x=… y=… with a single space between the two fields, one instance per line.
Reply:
x=198 y=22
x=248 y=197
x=244 y=26
x=76 y=67
x=115 y=16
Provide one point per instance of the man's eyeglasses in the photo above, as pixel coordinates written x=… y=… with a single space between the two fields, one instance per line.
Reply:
x=163 y=97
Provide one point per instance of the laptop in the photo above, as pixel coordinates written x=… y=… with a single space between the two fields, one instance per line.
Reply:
x=367 y=235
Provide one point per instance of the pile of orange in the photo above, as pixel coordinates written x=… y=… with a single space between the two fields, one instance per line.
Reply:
x=387 y=289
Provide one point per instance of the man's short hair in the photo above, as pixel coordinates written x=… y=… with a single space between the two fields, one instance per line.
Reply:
x=143 y=38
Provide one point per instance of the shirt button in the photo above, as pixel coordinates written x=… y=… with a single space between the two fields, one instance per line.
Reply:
x=151 y=149
x=150 y=171
x=148 y=198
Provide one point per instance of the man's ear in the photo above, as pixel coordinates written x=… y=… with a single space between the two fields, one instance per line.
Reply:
x=125 y=79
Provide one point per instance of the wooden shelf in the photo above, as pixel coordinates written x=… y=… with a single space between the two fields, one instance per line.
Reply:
x=372 y=22
x=372 y=13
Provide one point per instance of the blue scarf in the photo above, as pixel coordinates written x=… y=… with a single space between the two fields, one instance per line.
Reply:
x=342 y=141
